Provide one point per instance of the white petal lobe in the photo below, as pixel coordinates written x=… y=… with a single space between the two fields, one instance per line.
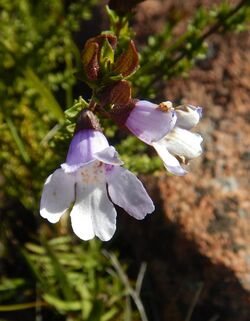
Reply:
x=109 y=156
x=127 y=191
x=184 y=143
x=93 y=214
x=188 y=116
x=170 y=162
x=57 y=195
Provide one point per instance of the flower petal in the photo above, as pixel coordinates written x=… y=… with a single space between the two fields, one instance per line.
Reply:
x=188 y=116
x=170 y=162
x=82 y=148
x=109 y=156
x=182 y=142
x=57 y=195
x=148 y=122
x=93 y=213
x=127 y=191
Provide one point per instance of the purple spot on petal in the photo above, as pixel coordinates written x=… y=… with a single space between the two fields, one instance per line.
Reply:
x=108 y=168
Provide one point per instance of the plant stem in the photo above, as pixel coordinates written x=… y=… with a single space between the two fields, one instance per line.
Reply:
x=92 y=103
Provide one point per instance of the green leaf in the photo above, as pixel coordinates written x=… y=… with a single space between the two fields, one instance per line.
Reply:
x=18 y=140
x=35 y=248
x=11 y=284
x=113 y=17
x=73 y=111
x=63 y=306
x=110 y=314
x=22 y=306
x=43 y=284
x=61 y=240
x=50 y=102
x=70 y=128
x=96 y=312
x=59 y=273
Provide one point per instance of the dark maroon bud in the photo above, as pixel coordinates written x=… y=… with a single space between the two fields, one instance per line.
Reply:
x=101 y=39
x=117 y=94
x=120 y=114
x=128 y=62
x=90 y=60
x=87 y=120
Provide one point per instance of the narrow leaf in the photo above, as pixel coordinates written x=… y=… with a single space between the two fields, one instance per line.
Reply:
x=59 y=273
x=62 y=305
x=18 y=140
x=22 y=306
x=51 y=103
x=42 y=281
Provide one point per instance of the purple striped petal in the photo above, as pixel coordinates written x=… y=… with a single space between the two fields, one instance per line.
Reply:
x=149 y=123
x=83 y=146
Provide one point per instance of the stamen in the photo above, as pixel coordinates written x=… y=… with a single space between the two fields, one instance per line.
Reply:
x=165 y=106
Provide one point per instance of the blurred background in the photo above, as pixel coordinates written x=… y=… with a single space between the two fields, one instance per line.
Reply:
x=190 y=260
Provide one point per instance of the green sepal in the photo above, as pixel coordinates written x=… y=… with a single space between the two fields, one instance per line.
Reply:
x=73 y=111
x=107 y=52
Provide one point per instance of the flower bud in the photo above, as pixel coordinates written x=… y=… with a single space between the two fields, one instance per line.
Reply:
x=118 y=94
x=87 y=120
x=128 y=62
x=95 y=50
x=103 y=37
x=121 y=113
x=90 y=60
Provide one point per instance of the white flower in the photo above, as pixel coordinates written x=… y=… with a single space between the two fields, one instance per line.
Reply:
x=167 y=130
x=90 y=179
x=180 y=145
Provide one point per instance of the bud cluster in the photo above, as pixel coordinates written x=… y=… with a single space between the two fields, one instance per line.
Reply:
x=102 y=65
x=106 y=69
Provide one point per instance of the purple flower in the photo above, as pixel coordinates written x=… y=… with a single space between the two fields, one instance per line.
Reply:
x=168 y=131
x=92 y=176
x=149 y=122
